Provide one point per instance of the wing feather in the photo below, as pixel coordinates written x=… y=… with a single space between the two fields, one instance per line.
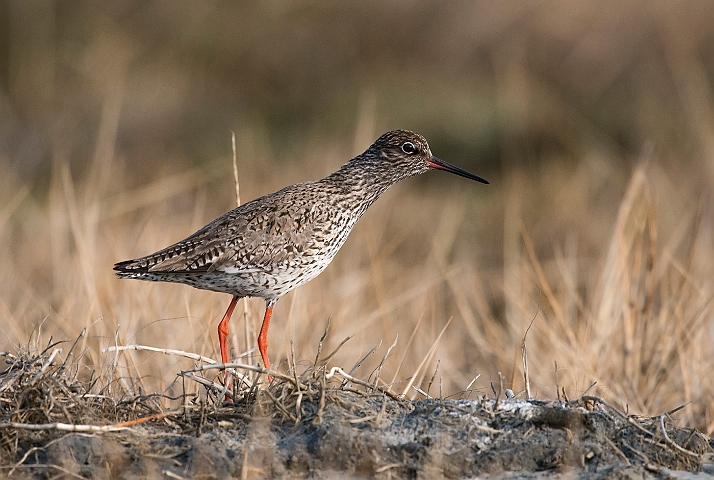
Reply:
x=256 y=236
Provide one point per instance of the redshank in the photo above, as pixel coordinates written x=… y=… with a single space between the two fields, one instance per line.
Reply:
x=269 y=246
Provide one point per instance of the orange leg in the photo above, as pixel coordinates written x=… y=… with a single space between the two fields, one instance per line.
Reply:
x=223 y=336
x=263 y=336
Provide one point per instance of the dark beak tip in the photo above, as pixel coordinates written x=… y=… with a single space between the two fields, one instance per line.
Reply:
x=438 y=164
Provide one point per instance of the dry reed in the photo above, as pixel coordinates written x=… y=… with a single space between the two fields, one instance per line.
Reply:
x=610 y=262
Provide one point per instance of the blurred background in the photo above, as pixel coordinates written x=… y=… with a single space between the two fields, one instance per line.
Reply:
x=593 y=120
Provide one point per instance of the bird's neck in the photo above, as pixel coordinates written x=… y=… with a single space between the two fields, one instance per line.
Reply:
x=361 y=181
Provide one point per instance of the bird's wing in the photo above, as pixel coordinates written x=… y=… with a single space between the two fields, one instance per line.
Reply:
x=256 y=236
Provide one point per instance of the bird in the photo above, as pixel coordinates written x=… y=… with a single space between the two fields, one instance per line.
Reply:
x=271 y=245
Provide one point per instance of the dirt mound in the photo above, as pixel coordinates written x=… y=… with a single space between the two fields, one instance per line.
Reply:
x=322 y=424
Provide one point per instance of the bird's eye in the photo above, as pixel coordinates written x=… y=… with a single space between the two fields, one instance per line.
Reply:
x=409 y=148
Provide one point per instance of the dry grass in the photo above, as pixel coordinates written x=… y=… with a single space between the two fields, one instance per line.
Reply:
x=611 y=264
x=636 y=319
x=53 y=422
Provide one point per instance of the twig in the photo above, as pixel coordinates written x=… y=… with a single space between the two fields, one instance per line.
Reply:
x=327 y=358
x=67 y=427
x=242 y=366
x=235 y=168
x=297 y=385
x=168 y=351
x=384 y=358
x=321 y=406
x=406 y=351
x=472 y=382
x=426 y=357
x=557 y=384
x=185 y=399
x=322 y=339
x=634 y=423
x=500 y=389
x=675 y=410
x=346 y=376
x=524 y=355
x=428 y=387
x=201 y=418
x=171 y=474
x=76 y=341
x=281 y=407
x=419 y=390
x=116 y=347
x=361 y=360
x=588 y=389
x=468 y=389
x=387 y=467
x=97 y=395
x=148 y=418
x=206 y=383
x=617 y=450
x=671 y=443
x=45 y=365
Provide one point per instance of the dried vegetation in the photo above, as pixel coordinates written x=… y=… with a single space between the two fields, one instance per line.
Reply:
x=318 y=423
x=589 y=255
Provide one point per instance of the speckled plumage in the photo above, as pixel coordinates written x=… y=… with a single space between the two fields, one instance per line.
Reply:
x=272 y=245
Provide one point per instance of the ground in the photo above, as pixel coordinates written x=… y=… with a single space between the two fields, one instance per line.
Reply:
x=325 y=424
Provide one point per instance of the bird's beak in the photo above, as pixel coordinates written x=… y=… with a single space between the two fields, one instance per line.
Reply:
x=439 y=164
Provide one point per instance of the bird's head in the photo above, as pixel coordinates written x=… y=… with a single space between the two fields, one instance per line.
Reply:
x=407 y=153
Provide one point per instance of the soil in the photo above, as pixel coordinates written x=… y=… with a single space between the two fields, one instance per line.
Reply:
x=329 y=429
